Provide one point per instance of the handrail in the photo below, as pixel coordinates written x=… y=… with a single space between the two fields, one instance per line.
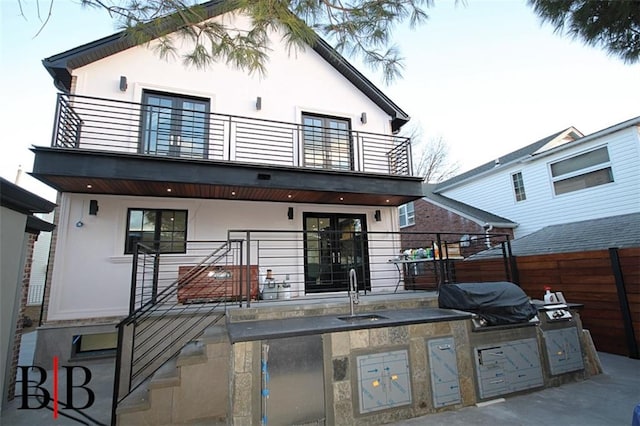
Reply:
x=156 y=331
x=92 y=123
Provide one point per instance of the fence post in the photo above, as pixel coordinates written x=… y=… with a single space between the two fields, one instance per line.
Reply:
x=632 y=344
x=513 y=264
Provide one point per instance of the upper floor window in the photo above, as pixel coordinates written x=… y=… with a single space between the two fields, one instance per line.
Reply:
x=327 y=142
x=518 y=186
x=174 y=125
x=163 y=230
x=407 y=214
x=582 y=171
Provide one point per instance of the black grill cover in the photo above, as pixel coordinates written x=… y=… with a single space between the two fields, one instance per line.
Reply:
x=497 y=302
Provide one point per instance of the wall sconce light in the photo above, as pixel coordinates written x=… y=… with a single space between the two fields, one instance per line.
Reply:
x=378 y=216
x=123 y=83
x=290 y=213
x=363 y=118
x=259 y=103
x=93 y=207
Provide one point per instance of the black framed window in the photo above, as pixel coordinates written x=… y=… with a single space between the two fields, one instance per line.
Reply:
x=163 y=230
x=174 y=125
x=327 y=142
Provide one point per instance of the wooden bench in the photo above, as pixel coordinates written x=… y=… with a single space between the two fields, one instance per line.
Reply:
x=215 y=283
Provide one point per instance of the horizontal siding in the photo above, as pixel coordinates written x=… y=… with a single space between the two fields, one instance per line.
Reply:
x=586 y=278
x=494 y=193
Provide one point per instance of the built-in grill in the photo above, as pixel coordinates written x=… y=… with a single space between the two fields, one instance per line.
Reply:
x=507 y=329
x=495 y=305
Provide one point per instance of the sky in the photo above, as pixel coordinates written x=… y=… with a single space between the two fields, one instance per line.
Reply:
x=487 y=77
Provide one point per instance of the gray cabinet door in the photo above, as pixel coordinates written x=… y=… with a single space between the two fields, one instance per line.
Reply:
x=563 y=350
x=443 y=367
x=508 y=367
x=383 y=380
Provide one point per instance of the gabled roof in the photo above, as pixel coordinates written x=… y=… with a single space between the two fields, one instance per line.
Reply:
x=480 y=216
x=563 y=136
x=564 y=139
x=588 y=235
x=61 y=65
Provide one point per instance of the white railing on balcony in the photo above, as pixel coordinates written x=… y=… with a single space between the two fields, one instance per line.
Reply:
x=90 y=123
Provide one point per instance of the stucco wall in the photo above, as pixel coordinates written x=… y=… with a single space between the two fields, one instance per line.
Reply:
x=13 y=241
x=90 y=263
x=295 y=81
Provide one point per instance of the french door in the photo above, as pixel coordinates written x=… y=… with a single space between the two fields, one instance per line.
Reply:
x=334 y=244
x=174 y=125
x=327 y=142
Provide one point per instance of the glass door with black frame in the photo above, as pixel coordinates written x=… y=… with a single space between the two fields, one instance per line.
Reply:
x=174 y=126
x=335 y=243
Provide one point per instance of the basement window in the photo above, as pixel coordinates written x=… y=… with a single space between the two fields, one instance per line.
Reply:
x=94 y=345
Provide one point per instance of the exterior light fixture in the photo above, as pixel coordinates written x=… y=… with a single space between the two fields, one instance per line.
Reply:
x=259 y=103
x=290 y=213
x=123 y=83
x=93 y=207
x=363 y=118
x=377 y=215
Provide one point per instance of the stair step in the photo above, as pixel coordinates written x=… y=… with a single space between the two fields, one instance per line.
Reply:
x=138 y=400
x=168 y=375
x=192 y=353
x=215 y=334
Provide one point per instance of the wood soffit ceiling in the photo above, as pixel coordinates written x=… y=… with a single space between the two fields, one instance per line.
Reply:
x=208 y=191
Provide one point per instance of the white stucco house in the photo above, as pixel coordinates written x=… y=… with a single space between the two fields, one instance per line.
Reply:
x=147 y=150
x=563 y=178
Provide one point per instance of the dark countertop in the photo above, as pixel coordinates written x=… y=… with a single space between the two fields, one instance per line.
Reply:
x=244 y=331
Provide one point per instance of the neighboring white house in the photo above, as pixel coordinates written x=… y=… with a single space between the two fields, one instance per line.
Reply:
x=311 y=144
x=566 y=177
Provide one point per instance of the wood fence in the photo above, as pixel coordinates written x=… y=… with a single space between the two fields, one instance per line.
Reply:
x=607 y=282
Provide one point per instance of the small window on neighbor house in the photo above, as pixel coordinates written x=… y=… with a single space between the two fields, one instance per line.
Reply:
x=162 y=230
x=582 y=171
x=518 y=186
x=407 y=215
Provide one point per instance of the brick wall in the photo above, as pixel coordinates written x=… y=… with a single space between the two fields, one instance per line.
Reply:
x=26 y=276
x=431 y=218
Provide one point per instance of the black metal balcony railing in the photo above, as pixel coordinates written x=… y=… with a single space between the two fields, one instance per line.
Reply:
x=84 y=122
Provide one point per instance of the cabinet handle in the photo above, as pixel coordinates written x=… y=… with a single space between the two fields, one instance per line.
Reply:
x=444 y=347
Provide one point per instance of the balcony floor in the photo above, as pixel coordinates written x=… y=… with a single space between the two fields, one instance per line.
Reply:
x=94 y=172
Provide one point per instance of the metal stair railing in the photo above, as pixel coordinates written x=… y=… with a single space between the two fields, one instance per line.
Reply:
x=161 y=325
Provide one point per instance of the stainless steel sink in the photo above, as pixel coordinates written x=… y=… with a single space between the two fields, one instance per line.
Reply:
x=362 y=318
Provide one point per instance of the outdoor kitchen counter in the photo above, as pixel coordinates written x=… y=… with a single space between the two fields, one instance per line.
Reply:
x=244 y=331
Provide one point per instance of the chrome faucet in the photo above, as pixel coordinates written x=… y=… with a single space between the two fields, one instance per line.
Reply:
x=352 y=291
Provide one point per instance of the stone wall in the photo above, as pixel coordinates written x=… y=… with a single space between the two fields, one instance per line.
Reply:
x=342 y=375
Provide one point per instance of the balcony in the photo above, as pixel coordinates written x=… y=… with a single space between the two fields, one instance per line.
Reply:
x=116 y=147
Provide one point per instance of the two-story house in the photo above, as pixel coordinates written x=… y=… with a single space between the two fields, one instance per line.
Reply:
x=146 y=150
x=563 y=178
